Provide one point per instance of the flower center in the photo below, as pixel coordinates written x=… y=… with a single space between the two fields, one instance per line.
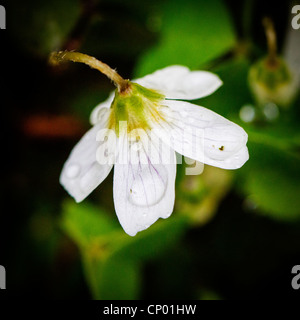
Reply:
x=137 y=107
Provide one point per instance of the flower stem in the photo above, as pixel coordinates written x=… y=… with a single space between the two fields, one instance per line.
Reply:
x=271 y=40
x=62 y=56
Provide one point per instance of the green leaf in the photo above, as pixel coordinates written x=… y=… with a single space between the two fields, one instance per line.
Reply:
x=234 y=93
x=85 y=223
x=153 y=241
x=94 y=230
x=96 y=234
x=117 y=275
x=112 y=278
x=192 y=33
x=272 y=180
x=111 y=258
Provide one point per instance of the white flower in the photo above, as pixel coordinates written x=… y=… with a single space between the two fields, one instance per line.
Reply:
x=144 y=163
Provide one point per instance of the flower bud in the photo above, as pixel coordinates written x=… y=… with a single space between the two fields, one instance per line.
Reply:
x=271 y=81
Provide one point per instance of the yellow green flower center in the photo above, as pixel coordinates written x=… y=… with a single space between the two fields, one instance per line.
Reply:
x=138 y=106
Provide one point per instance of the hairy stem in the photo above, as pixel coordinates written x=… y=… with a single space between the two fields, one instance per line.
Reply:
x=62 y=56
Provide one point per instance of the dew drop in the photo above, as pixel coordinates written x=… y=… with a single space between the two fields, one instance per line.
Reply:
x=149 y=187
x=73 y=171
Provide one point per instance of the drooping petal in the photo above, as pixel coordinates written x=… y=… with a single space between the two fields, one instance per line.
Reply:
x=82 y=173
x=144 y=183
x=203 y=135
x=100 y=110
x=178 y=82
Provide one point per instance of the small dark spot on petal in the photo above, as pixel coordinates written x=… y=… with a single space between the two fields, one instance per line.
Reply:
x=130 y=190
x=221 y=148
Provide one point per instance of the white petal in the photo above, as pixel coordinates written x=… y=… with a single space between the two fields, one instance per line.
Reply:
x=82 y=173
x=144 y=184
x=203 y=135
x=178 y=82
x=100 y=109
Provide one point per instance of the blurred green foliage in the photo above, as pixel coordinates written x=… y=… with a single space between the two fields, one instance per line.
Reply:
x=271 y=177
x=224 y=222
x=192 y=33
x=111 y=258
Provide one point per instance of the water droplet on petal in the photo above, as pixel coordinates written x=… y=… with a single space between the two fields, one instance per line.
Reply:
x=73 y=171
x=148 y=187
